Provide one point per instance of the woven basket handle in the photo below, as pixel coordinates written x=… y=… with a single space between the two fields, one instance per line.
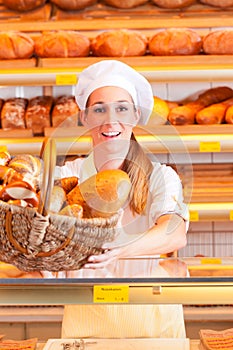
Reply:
x=48 y=155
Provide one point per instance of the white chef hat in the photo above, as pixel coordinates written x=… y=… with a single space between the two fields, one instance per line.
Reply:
x=116 y=73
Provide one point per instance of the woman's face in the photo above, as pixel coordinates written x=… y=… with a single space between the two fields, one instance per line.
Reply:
x=110 y=116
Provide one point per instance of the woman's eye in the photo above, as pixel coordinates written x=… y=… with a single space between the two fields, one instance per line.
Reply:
x=99 y=110
x=122 y=109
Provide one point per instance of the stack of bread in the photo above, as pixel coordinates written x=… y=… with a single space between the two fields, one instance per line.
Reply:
x=213 y=340
x=20 y=179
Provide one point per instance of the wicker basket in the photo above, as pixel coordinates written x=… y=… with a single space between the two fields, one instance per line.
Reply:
x=35 y=240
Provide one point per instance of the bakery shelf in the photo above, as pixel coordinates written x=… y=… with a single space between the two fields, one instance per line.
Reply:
x=140 y=290
x=155 y=69
x=100 y=16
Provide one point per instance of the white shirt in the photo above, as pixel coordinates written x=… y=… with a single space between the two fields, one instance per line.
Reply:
x=128 y=321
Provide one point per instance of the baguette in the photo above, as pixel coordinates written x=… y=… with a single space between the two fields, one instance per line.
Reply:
x=229 y=115
x=183 y=115
x=215 y=113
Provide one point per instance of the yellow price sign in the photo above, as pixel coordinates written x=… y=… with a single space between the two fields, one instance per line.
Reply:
x=231 y=215
x=66 y=79
x=206 y=146
x=211 y=261
x=3 y=148
x=111 y=294
x=193 y=215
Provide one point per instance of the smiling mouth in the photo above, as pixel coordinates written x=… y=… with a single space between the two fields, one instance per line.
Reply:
x=111 y=133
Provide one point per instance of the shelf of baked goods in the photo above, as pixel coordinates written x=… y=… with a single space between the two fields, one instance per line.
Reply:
x=102 y=16
x=65 y=71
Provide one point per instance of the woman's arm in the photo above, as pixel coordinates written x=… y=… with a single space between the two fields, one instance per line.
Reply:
x=169 y=234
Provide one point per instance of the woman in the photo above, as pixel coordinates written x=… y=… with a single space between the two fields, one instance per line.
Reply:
x=113 y=99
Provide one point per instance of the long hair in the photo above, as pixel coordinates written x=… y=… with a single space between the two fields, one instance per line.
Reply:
x=139 y=168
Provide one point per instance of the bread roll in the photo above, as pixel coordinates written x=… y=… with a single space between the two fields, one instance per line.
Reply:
x=186 y=114
x=229 y=115
x=58 y=198
x=15 y=45
x=173 y=4
x=219 y=42
x=72 y=210
x=218 y=3
x=62 y=44
x=26 y=164
x=71 y=5
x=102 y=194
x=65 y=112
x=37 y=116
x=214 y=114
x=175 y=41
x=119 y=43
x=67 y=183
x=126 y=4
x=13 y=113
x=23 y=5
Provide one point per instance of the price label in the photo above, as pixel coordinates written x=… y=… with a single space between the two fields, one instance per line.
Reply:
x=66 y=79
x=211 y=261
x=231 y=215
x=205 y=146
x=3 y=148
x=194 y=215
x=111 y=294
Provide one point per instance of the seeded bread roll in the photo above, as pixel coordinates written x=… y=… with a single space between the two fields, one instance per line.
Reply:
x=15 y=45
x=119 y=43
x=175 y=41
x=62 y=44
x=71 y=5
x=23 y=5
x=126 y=4
x=65 y=112
x=218 y=3
x=219 y=42
x=13 y=113
x=173 y=4
x=37 y=115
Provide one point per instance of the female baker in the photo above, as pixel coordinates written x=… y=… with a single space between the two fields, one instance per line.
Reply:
x=113 y=99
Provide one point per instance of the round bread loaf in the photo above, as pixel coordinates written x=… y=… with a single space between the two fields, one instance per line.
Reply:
x=126 y=4
x=218 y=3
x=62 y=44
x=73 y=5
x=219 y=42
x=23 y=5
x=119 y=43
x=173 y=4
x=15 y=45
x=174 y=42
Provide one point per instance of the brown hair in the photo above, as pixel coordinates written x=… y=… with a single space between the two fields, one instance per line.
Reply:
x=139 y=168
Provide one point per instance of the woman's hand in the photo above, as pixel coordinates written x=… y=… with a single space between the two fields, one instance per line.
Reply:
x=101 y=261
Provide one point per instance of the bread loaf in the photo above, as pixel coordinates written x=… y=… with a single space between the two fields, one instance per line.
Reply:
x=173 y=4
x=65 y=112
x=37 y=114
x=126 y=4
x=229 y=115
x=23 y=5
x=214 y=114
x=62 y=44
x=13 y=113
x=15 y=45
x=119 y=43
x=73 y=5
x=186 y=114
x=102 y=194
x=175 y=41
x=219 y=42
x=218 y=3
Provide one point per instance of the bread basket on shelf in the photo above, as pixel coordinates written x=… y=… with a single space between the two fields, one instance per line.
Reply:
x=35 y=240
